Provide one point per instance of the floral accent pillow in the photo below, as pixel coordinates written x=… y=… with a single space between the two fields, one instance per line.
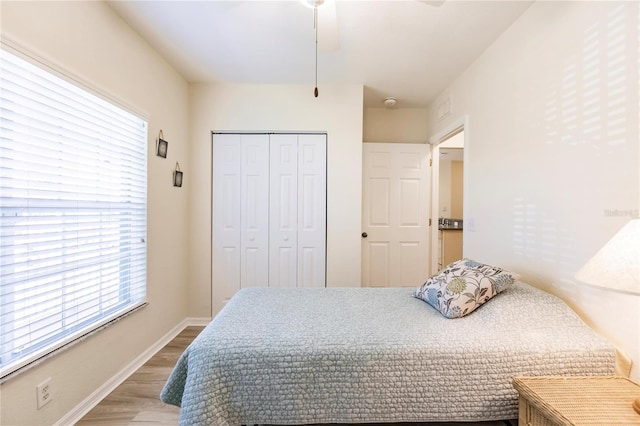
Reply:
x=463 y=286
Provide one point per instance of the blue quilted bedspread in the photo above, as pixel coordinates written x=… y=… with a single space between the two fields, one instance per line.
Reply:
x=357 y=355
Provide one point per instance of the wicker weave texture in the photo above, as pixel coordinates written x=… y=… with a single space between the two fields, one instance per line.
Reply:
x=578 y=400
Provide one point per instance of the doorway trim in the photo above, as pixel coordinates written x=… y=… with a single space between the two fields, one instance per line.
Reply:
x=456 y=126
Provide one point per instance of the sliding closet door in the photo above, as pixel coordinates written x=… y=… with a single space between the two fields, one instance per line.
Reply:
x=283 y=211
x=227 y=162
x=297 y=225
x=269 y=212
x=312 y=210
x=254 y=211
x=240 y=212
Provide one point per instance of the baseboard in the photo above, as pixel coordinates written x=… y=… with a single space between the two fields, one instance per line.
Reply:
x=109 y=386
x=197 y=322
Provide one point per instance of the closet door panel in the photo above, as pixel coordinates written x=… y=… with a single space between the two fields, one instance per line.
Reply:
x=254 y=211
x=227 y=155
x=283 y=206
x=269 y=212
x=312 y=209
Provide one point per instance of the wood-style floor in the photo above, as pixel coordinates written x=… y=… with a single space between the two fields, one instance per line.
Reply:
x=137 y=402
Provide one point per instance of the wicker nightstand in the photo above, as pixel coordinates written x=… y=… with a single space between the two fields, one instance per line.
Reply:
x=551 y=401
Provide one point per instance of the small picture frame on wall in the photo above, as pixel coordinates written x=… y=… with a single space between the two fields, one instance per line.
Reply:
x=177 y=178
x=162 y=148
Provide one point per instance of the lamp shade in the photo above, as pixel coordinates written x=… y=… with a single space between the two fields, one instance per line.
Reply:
x=617 y=265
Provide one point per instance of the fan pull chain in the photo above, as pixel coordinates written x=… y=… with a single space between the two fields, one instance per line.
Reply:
x=315 y=27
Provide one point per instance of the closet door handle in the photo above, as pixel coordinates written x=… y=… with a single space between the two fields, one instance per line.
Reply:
x=364 y=235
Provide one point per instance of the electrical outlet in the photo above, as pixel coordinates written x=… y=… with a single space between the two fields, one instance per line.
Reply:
x=44 y=393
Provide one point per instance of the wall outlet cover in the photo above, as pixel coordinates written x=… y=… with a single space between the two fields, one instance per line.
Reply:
x=44 y=393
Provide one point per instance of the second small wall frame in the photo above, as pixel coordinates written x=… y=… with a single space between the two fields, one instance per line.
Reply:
x=162 y=146
x=177 y=176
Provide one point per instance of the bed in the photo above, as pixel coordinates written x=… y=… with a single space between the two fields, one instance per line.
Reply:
x=360 y=355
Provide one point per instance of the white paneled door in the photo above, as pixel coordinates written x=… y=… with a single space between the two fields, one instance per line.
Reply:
x=283 y=211
x=297 y=212
x=227 y=166
x=254 y=205
x=269 y=212
x=312 y=210
x=395 y=214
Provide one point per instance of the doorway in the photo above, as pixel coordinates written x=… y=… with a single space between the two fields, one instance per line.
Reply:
x=448 y=194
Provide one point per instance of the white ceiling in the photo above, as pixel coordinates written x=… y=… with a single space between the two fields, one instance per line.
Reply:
x=408 y=49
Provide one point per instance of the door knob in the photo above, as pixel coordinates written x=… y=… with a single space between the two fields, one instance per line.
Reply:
x=364 y=235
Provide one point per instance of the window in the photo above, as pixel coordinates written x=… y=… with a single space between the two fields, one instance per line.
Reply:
x=73 y=212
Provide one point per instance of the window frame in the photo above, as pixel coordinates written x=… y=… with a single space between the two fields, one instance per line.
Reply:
x=88 y=326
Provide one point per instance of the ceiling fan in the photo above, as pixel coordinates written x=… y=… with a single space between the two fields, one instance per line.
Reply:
x=327 y=34
x=325 y=15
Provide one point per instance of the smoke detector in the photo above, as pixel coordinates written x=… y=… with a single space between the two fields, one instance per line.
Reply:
x=390 y=102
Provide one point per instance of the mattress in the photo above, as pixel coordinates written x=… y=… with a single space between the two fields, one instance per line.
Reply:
x=358 y=355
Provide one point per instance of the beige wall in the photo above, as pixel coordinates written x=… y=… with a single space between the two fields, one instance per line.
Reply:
x=457 y=188
x=553 y=151
x=444 y=188
x=450 y=188
x=403 y=125
x=92 y=43
x=236 y=107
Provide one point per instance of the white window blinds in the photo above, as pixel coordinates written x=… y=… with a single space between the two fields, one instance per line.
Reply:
x=73 y=200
